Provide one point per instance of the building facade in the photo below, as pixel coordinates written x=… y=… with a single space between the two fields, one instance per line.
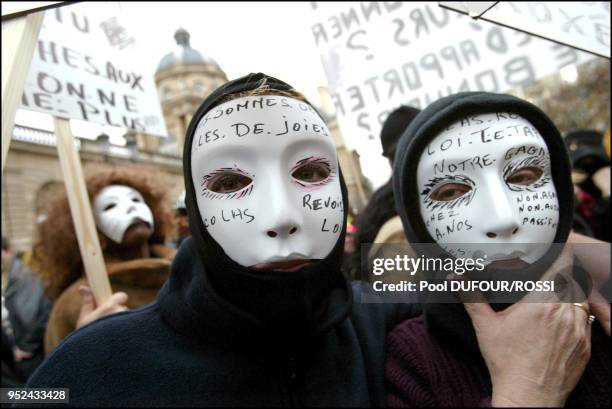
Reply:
x=32 y=174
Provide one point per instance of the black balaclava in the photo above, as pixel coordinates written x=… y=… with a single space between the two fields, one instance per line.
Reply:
x=277 y=304
x=450 y=320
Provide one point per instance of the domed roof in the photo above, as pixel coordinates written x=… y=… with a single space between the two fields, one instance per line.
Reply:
x=183 y=54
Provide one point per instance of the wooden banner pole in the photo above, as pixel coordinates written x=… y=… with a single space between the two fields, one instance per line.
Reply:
x=80 y=207
x=19 y=38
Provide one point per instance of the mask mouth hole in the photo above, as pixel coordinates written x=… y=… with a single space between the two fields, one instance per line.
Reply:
x=139 y=221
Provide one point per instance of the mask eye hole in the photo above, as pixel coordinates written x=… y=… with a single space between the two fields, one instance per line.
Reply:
x=136 y=200
x=109 y=206
x=450 y=191
x=525 y=176
x=312 y=172
x=228 y=182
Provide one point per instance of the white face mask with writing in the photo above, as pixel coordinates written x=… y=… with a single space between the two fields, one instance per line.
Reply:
x=265 y=171
x=487 y=179
x=117 y=207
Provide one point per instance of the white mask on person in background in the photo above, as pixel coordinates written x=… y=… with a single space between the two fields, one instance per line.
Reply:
x=265 y=171
x=487 y=179
x=117 y=207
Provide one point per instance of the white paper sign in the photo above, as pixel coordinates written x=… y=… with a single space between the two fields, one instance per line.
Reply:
x=584 y=25
x=85 y=67
x=380 y=55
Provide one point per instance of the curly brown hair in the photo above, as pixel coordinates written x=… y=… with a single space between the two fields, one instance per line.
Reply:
x=57 y=248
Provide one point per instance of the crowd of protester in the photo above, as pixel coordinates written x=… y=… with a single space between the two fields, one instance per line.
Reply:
x=210 y=309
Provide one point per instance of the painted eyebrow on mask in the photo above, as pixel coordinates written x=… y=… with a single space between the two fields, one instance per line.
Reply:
x=534 y=160
x=208 y=194
x=451 y=204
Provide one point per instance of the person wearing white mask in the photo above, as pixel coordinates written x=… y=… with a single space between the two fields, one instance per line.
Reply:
x=256 y=311
x=491 y=177
x=133 y=220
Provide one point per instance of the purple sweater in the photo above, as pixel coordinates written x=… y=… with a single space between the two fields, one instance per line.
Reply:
x=422 y=372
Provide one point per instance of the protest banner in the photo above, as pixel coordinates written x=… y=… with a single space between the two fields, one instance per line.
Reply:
x=380 y=55
x=85 y=67
x=80 y=66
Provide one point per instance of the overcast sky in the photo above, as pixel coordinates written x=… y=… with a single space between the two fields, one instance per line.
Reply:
x=243 y=37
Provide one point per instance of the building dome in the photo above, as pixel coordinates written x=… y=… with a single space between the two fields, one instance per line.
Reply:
x=183 y=54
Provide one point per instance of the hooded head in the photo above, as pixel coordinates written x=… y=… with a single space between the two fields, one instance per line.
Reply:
x=587 y=155
x=484 y=172
x=266 y=200
x=484 y=168
x=395 y=124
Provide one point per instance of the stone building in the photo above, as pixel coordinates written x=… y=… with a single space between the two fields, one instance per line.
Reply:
x=184 y=77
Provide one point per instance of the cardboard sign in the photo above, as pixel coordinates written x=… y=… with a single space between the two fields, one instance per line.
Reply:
x=85 y=67
x=380 y=55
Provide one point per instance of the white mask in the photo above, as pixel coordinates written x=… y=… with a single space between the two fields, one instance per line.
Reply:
x=117 y=207
x=265 y=171
x=472 y=188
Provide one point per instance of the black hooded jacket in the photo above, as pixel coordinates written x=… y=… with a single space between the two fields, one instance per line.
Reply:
x=220 y=334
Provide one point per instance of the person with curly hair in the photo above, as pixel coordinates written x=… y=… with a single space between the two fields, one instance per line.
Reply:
x=133 y=219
